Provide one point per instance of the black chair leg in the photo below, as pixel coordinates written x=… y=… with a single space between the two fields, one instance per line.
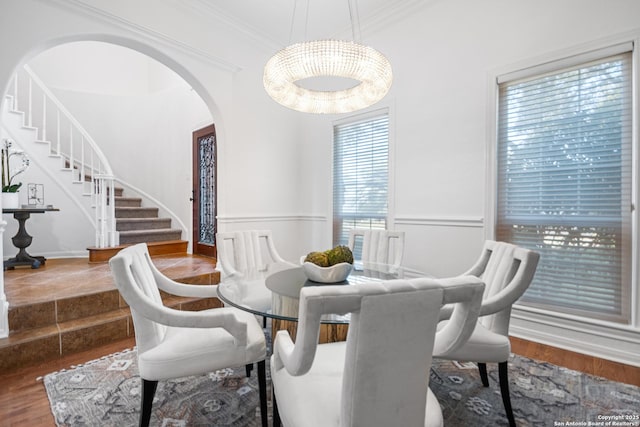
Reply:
x=504 y=390
x=248 y=368
x=146 y=400
x=276 y=414
x=262 y=389
x=482 y=368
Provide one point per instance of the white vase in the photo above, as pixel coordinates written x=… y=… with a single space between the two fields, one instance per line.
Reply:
x=10 y=200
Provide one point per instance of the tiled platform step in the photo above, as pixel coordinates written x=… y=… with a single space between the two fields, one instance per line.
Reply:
x=155 y=235
x=50 y=329
x=97 y=255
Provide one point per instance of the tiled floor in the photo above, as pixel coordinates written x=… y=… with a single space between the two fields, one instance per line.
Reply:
x=71 y=277
x=70 y=305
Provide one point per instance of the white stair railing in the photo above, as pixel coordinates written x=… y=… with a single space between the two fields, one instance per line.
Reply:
x=78 y=151
x=106 y=234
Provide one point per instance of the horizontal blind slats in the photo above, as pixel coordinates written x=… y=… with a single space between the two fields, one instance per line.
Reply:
x=361 y=163
x=564 y=183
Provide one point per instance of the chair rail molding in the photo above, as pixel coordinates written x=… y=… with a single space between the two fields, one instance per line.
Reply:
x=440 y=221
x=235 y=219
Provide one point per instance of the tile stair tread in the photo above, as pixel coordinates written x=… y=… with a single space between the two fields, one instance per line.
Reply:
x=41 y=332
x=136 y=208
x=134 y=220
x=149 y=231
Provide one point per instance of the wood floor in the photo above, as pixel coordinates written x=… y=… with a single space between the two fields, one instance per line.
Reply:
x=23 y=400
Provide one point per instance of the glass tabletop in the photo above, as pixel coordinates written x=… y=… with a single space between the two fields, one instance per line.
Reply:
x=274 y=291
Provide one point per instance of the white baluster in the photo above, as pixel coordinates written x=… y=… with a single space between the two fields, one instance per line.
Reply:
x=15 y=93
x=82 y=160
x=29 y=103
x=71 y=148
x=93 y=176
x=58 y=131
x=112 y=213
x=43 y=132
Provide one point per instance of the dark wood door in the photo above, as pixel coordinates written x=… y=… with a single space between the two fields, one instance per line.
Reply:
x=204 y=191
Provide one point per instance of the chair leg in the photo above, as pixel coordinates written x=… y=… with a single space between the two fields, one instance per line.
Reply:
x=504 y=390
x=248 y=368
x=262 y=388
x=482 y=368
x=276 y=414
x=146 y=400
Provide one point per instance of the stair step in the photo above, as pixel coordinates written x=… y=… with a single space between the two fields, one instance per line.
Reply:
x=128 y=202
x=30 y=316
x=157 y=235
x=128 y=224
x=94 y=319
x=147 y=212
x=99 y=255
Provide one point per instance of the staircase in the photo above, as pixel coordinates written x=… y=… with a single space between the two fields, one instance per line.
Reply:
x=138 y=224
x=56 y=142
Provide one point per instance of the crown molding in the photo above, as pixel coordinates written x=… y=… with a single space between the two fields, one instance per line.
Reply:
x=381 y=18
x=208 y=8
x=390 y=14
x=82 y=8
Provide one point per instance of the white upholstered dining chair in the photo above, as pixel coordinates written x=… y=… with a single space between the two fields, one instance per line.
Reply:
x=239 y=251
x=379 y=247
x=173 y=343
x=507 y=271
x=379 y=376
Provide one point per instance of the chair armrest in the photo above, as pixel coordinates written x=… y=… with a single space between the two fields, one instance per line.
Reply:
x=224 y=318
x=185 y=290
x=506 y=297
x=182 y=289
x=282 y=349
x=315 y=301
x=445 y=312
x=465 y=293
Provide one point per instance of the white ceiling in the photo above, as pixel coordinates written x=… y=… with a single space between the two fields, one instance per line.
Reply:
x=275 y=22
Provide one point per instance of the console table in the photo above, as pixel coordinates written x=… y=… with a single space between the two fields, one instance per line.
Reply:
x=22 y=239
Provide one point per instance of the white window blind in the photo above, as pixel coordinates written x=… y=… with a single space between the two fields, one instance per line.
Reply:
x=564 y=184
x=360 y=176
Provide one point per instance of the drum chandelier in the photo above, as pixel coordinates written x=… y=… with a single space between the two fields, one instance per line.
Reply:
x=327 y=58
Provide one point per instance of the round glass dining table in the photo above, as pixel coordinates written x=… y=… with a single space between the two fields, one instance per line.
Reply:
x=274 y=292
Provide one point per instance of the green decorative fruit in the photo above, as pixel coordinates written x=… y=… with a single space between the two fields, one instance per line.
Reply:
x=318 y=258
x=339 y=254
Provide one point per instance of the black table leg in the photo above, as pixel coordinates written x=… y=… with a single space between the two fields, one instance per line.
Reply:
x=22 y=240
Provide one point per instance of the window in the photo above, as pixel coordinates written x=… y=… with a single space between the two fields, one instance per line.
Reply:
x=564 y=181
x=360 y=176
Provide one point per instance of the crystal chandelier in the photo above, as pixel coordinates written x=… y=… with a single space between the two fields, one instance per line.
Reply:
x=327 y=58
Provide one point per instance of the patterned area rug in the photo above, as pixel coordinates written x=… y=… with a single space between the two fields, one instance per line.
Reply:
x=542 y=394
x=106 y=392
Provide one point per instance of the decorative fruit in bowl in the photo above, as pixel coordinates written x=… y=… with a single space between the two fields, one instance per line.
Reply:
x=330 y=266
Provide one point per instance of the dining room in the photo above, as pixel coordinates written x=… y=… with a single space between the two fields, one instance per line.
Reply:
x=499 y=121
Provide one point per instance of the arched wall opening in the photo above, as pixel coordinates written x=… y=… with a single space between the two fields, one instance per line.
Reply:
x=196 y=85
x=133 y=130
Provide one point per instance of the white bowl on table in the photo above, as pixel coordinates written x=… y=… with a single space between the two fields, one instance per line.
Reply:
x=334 y=274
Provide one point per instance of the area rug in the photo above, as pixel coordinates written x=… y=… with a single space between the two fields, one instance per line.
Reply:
x=106 y=392
x=542 y=394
